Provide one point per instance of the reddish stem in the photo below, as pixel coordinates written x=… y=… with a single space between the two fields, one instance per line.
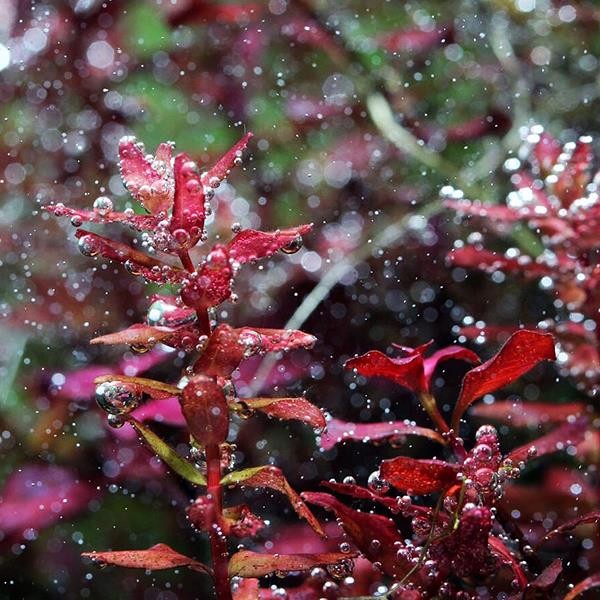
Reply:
x=188 y=265
x=218 y=541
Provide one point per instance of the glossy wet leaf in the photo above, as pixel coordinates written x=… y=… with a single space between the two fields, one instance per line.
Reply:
x=249 y=245
x=297 y=409
x=154 y=389
x=419 y=475
x=168 y=455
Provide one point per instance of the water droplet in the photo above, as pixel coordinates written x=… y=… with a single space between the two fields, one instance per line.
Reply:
x=376 y=484
x=76 y=221
x=86 y=245
x=293 y=246
x=103 y=205
x=116 y=398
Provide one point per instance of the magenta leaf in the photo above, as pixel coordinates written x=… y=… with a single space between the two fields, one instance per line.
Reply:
x=419 y=475
x=222 y=168
x=37 y=496
x=250 y=245
x=252 y=564
x=205 y=409
x=523 y=351
x=156 y=558
x=393 y=431
x=528 y=414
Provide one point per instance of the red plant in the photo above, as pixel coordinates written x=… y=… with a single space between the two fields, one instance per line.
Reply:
x=176 y=195
x=556 y=198
x=469 y=534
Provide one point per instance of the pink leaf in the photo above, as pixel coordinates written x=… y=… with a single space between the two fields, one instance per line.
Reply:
x=419 y=476
x=523 y=351
x=222 y=168
x=339 y=431
x=211 y=285
x=252 y=564
x=156 y=558
x=153 y=189
x=205 y=409
x=37 y=496
x=78 y=216
x=569 y=433
x=249 y=245
x=528 y=414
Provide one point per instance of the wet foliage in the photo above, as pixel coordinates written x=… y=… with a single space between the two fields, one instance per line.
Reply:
x=300 y=299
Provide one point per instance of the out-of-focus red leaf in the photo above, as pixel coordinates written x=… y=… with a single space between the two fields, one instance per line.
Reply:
x=572 y=180
x=227 y=347
x=187 y=222
x=407 y=372
x=252 y=564
x=546 y=153
x=419 y=476
x=141 y=177
x=166 y=412
x=203 y=11
x=490 y=262
x=363 y=528
x=591 y=517
x=211 y=285
x=502 y=552
x=246 y=589
x=589 y=583
x=272 y=478
x=523 y=351
x=156 y=558
x=298 y=409
x=37 y=496
x=249 y=244
x=223 y=166
x=415 y=40
x=339 y=431
x=570 y=433
x=544 y=583
x=205 y=409
x=528 y=414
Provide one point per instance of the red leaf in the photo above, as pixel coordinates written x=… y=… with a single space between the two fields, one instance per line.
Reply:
x=249 y=245
x=449 y=353
x=227 y=347
x=252 y=564
x=272 y=478
x=137 y=262
x=153 y=189
x=145 y=336
x=205 y=409
x=361 y=493
x=528 y=414
x=339 y=431
x=241 y=521
x=139 y=222
x=544 y=582
x=419 y=476
x=589 y=583
x=222 y=168
x=211 y=285
x=299 y=409
x=156 y=558
x=139 y=385
x=523 y=351
x=415 y=40
x=546 y=153
x=501 y=551
x=407 y=372
x=38 y=495
x=591 y=517
x=364 y=528
x=558 y=439
x=187 y=222
x=246 y=589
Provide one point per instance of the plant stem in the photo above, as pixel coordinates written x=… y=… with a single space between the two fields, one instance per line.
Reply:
x=218 y=541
